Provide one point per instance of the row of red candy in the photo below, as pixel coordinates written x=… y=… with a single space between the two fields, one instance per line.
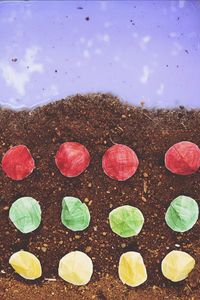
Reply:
x=119 y=162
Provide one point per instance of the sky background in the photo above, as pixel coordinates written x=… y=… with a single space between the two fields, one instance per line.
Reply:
x=138 y=50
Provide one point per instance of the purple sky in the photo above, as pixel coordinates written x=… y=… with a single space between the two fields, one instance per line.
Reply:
x=139 y=50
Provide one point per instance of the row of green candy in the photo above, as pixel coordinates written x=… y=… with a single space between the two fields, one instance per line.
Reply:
x=125 y=221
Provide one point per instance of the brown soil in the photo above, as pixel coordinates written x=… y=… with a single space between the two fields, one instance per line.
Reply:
x=98 y=121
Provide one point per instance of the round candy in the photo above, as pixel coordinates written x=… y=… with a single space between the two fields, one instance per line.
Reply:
x=75 y=214
x=18 y=163
x=126 y=221
x=72 y=159
x=182 y=214
x=183 y=158
x=76 y=267
x=26 y=265
x=177 y=265
x=132 y=270
x=120 y=162
x=25 y=213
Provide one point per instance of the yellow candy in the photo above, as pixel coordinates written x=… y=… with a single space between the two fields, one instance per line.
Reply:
x=132 y=270
x=76 y=267
x=177 y=265
x=26 y=265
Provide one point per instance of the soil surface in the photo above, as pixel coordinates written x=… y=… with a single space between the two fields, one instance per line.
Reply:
x=98 y=121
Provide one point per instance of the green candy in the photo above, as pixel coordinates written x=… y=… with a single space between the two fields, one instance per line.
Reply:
x=182 y=214
x=25 y=213
x=75 y=214
x=126 y=221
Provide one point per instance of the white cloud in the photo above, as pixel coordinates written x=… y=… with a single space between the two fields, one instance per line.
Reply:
x=103 y=37
x=50 y=92
x=11 y=18
x=78 y=64
x=181 y=3
x=82 y=40
x=116 y=58
x=106 y=38
x=145 y=74
x=27 y=13
x=86 y=53
x=89 y=43
x=103 y=5
x=173 y=7
x=107 y=24
x=14 y=79
x=160 y=90
x=17 y=76
x=97 y=51
x=177 y=49
x=54 y=90
x=173 y=34
x=135 y=35
x=29 y=60
x=144 y=41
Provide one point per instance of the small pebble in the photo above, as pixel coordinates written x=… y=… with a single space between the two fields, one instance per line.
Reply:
x=145 y=175
x=88 y=249
x=44 y=249
x=144 y=199
x=6 y=208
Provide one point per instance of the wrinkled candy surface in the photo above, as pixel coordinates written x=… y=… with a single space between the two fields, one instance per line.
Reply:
x=75 y=214
x=120 y=162
x=126 y=221
x=182 y=214
x=132 y=270
x=72 y=159
x=76 y=267
x=25 y=213
x=183 y=158
x=18 y=163
x=177 y=265
x=26 y=265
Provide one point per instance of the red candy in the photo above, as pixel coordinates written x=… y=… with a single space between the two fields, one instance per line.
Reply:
x=120 y=162
x=72 y=159
x=18 y=163
x=183 y=158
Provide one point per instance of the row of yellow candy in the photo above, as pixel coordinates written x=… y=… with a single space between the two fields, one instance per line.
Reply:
x=76 y=267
